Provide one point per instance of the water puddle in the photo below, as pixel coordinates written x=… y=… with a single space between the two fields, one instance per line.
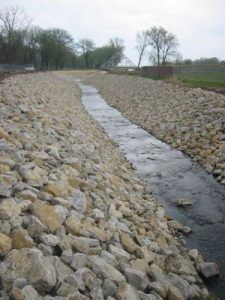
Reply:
x=171 y=176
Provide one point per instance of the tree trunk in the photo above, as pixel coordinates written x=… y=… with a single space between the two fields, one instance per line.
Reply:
x=86 y=60
x=140 y=58
x=158 y=62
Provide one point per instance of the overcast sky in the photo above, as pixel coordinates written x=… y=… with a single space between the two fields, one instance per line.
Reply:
x=198 y=24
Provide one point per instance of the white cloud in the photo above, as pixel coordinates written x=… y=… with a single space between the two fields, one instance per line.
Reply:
x=199 y=25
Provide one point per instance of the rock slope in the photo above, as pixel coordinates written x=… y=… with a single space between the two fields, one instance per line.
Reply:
x=192 y=120
x=76 y=222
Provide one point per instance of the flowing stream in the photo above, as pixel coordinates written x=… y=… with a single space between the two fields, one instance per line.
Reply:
x=171 y=175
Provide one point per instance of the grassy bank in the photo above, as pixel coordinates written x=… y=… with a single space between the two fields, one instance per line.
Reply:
x=215 y=80
x=203 y=80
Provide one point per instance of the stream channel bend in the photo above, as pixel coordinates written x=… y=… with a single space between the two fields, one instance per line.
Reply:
x=171 y=175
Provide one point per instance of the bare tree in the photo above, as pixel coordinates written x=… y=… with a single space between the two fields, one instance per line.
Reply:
x=164 y=44
x=178 y=58
x=117 y=45
x=169 y=46
x=142 y=44
x=13 y=19
x=155 y=40
x=86 y=46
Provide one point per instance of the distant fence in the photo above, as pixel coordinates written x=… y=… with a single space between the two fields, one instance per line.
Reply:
x=167 y=71
x=16 y=68
x=198 y=69
x=162 y=71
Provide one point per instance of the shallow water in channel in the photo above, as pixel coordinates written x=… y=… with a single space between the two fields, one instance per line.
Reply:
x=171 y=175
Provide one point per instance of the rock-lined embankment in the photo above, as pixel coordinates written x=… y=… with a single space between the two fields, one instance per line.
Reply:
x=76 y=222
x=192 y=120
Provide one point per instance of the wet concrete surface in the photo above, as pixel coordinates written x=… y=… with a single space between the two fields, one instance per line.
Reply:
x=171 y=176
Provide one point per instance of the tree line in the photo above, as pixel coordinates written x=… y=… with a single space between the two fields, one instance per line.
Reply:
x=54 y=48
x=161 y=47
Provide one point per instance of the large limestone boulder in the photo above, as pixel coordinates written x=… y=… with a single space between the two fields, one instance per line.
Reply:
x=47 y=214
x=127 y=242
x=4 y=190
x=137 y=278
x=103 y=270
x=3 y=134
x=33 y=175
x=78 y=201
x=21 y=239
x=127 y=291
x=5 y=244
x=85 y=245
x=9 y=209
x=57 y=189
x=26 y=293
x=208 y=269
x=30 y=264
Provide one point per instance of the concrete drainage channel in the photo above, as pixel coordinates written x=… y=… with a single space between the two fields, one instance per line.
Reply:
x=171 y=176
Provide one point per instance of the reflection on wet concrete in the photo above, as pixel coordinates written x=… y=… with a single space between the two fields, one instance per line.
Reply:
x=171 y=176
